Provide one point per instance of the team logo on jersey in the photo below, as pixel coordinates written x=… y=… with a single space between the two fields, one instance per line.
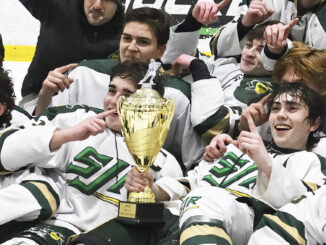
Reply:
x=189 y=203
x=90 y=171
x=232 y=170
x=88 y=165
x=252 y=90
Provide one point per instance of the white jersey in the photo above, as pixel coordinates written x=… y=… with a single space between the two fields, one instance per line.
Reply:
x=217 y=103
x=229 y=212
x=90 y=86
x=298 y=172
x=302 y=221
x=30 y=193
x=95 y=168
x=284 y=11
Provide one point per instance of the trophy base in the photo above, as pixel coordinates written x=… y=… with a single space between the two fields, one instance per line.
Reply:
x=140 y=213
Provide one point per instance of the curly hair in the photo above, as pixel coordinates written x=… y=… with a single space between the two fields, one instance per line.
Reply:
x=2 y=51
x=7 y=97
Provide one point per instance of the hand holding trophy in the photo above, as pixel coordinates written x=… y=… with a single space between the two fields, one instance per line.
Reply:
x=145 y=118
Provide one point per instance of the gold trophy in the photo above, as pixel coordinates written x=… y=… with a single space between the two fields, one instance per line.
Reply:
x=145 y=118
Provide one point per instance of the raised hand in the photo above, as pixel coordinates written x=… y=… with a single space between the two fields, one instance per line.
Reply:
x=256 y=111
x=205 y=12
x=90 y=126
x=137 y=181
x=56 y=80
x=276 y=35
x=217 y=147
x=256 y=13
x=252 y=144
x=182 y=63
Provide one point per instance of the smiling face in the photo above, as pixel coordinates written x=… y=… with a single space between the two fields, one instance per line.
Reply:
x=251 y=63
x=99 y=12
x=139 y=44
x=118 y=86
x=289 y=122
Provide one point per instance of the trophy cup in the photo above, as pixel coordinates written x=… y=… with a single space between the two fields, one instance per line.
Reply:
x=145 y=118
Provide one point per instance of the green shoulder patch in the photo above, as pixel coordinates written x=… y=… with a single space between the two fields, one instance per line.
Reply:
x=252 y=89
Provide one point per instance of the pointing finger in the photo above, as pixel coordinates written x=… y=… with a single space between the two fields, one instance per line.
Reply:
x=66 y=68
x=264 y=100
x=251 y=124
x=104 y=114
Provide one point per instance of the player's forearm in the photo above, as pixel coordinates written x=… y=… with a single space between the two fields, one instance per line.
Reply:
x=160 y=194
x=171 y=188
x=43 y=102
x=59 y=138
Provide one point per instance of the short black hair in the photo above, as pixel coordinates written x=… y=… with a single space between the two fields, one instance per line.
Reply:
x=2 y=52
x=136 y=72
x=7 y=97
x=157 y=19
x=313 y=100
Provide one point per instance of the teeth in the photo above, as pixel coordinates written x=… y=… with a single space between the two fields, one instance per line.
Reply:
x=282 y=127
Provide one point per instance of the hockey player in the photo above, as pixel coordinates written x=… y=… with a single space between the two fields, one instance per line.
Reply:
x=292 y=62
x=309 y=15
x=224 y=199
x=95 y=167
x=300 y=222
x=31 y=193
x=217 y=104
x=32 y=186
x=145 y=33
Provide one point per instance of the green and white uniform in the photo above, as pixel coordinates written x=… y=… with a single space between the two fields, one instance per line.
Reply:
x=90 y=86
x=302 y=221
x=95 y=168
x=228 y=196
x=269 y=63
x=310 y=23
x=217 y=104
x=30 y=193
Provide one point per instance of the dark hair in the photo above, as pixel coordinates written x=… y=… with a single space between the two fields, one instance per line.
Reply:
x=157 y=19
x=136 y=72
x=314 y=102
x=7 y=97
x=2 y=51
x=258 y=31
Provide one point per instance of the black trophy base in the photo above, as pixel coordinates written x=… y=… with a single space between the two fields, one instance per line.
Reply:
x=140 y=213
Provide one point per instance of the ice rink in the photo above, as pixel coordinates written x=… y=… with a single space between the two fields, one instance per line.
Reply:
x=20 y=30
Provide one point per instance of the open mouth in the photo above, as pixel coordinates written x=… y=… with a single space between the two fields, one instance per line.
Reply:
x=282 y=127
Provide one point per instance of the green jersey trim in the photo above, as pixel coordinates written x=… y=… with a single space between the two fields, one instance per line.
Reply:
x=52 y=112
x=286 y=225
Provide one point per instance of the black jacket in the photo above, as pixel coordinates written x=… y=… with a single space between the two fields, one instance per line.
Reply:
x=66 y=37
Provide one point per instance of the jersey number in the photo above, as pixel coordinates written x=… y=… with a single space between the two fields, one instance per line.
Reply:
x=95 y=162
